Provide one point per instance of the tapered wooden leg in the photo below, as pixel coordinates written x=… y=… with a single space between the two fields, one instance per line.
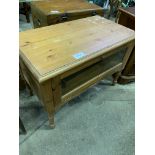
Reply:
x=46 y=95
x=27 y=17
x=29 y=89
x=21 y=125
x=117 y=17
x=51 y=120
x=115 y=77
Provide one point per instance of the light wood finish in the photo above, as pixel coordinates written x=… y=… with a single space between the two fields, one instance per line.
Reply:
x=56 y=76
x=56 y=88
x=49 y=51
x=57 y=11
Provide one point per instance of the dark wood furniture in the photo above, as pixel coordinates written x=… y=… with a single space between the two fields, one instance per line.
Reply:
x=126 y=17
x=24 y=8
x=114 y=5
x=22 y=127
x=61 y=61
x=50 y=12
x=22 y=84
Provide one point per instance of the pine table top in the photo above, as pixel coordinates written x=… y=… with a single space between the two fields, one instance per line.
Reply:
x=51 y=50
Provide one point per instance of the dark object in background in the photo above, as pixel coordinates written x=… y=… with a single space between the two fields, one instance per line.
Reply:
x=21 y=127
x=128 y=3
x=99 y=2
x=131 y=4
x=114 y=5
x=127 y=18
x=22 y=84
x=46 y=13
x=24 y=8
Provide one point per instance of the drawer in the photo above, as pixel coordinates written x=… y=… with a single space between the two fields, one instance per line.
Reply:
x=51 y=19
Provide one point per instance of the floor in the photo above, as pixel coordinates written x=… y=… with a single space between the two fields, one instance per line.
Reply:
x=101 y=121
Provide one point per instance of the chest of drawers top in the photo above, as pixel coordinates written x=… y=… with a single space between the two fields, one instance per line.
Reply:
x=56 y=7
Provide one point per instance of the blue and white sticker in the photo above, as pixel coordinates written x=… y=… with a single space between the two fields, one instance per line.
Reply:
x=55 y=11
x=79 y=55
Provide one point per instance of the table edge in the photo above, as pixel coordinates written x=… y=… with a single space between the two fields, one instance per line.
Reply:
x=60 y=70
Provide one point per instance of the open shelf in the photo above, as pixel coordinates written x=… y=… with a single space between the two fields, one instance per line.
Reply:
x=79 y=78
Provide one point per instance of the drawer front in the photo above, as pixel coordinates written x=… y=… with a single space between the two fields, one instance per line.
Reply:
x=72 y=16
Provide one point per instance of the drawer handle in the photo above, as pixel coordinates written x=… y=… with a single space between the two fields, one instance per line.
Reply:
x=64 y=17
x=94 y=13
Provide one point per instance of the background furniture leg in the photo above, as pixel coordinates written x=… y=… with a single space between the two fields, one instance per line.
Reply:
x=21 y=126
x=115 y=77
x=27 y=11
x=51 y=120
x=29 y=89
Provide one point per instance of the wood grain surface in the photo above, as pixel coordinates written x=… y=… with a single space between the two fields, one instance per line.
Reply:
x=51 y=7
x=50 y=50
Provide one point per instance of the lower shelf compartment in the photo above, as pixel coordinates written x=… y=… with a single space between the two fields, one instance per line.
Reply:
x=78 y=90
x=79 y=78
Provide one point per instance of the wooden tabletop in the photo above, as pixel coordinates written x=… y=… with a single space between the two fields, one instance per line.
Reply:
x=62 y=6
x=51 y=50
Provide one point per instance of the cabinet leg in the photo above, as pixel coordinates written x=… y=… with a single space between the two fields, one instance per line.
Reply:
x=27 y=11
x=115 y=77
x=21 y=126
x=46 y=95
x=29 y=89
x=27 y=17
x=51 y=120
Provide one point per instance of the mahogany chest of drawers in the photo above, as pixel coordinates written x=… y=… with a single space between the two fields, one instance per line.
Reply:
x=50 y=12
x=127 y=18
